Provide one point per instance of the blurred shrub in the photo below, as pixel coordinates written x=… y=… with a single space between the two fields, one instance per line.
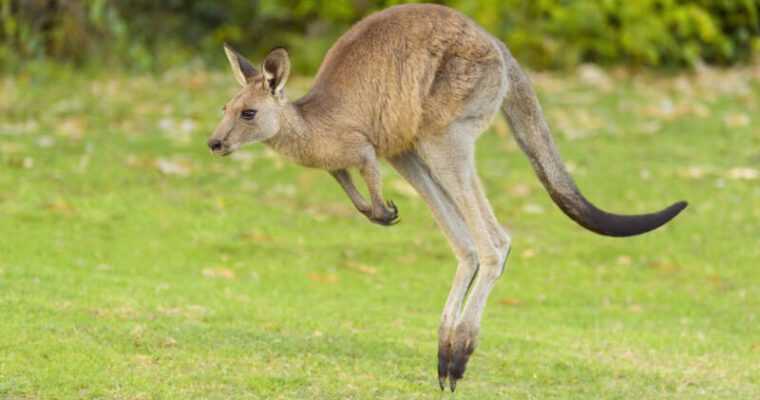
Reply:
x=559 y=33
x=541 y=33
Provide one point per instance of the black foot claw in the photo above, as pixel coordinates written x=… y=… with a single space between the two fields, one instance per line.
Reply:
x=389 y=215
x=459 y=362
x=443 y=366
x=452 y=364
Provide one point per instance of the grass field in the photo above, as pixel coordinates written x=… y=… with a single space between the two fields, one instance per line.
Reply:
x=134 y=265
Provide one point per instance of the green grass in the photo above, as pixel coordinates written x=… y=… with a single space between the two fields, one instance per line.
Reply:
x=135 y=265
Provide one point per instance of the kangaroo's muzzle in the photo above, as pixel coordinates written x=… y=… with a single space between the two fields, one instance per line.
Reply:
x=215 y=144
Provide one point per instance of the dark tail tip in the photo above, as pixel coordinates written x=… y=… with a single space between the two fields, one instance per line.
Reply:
x=679 y=206
x=630 y=225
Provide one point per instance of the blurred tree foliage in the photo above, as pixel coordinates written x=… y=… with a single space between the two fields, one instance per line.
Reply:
x=149 y=34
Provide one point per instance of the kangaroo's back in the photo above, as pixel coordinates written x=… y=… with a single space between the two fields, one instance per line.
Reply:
x=401 y=73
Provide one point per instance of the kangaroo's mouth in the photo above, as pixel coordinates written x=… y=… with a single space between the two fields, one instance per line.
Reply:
x=222 y=152
x=220 y=148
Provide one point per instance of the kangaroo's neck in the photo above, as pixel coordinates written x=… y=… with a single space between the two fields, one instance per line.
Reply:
x=295 y=136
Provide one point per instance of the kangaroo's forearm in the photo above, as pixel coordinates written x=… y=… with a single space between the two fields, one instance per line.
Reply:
x=380 y=213
x=344 y=179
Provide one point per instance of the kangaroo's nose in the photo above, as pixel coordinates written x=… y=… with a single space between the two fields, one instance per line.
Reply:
x=215 y=144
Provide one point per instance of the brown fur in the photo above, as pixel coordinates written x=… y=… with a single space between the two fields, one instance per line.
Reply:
x=413 y=93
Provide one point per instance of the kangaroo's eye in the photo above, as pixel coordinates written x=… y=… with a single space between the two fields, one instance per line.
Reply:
x=248 y=114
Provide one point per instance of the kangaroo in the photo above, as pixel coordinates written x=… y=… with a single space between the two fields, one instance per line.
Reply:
x=416 y=85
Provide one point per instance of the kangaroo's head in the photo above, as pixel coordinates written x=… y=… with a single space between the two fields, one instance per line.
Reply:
x=254 y=113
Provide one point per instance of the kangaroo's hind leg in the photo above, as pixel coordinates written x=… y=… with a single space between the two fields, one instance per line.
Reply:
x=451 y=222
x=499 y=236
x=450 y=157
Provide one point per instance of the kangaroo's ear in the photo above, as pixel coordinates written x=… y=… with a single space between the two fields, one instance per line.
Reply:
x=242 y=69
x=276 y=70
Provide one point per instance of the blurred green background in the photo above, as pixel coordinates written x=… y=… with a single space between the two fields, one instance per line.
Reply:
x=147 y=34
x=135 y=265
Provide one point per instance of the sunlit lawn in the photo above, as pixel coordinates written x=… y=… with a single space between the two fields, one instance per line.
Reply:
x=135 y=265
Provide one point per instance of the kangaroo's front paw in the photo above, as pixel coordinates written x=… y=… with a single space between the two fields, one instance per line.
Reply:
x=385 y=215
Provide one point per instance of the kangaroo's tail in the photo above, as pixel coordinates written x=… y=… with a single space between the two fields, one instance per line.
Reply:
x=524 y=115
